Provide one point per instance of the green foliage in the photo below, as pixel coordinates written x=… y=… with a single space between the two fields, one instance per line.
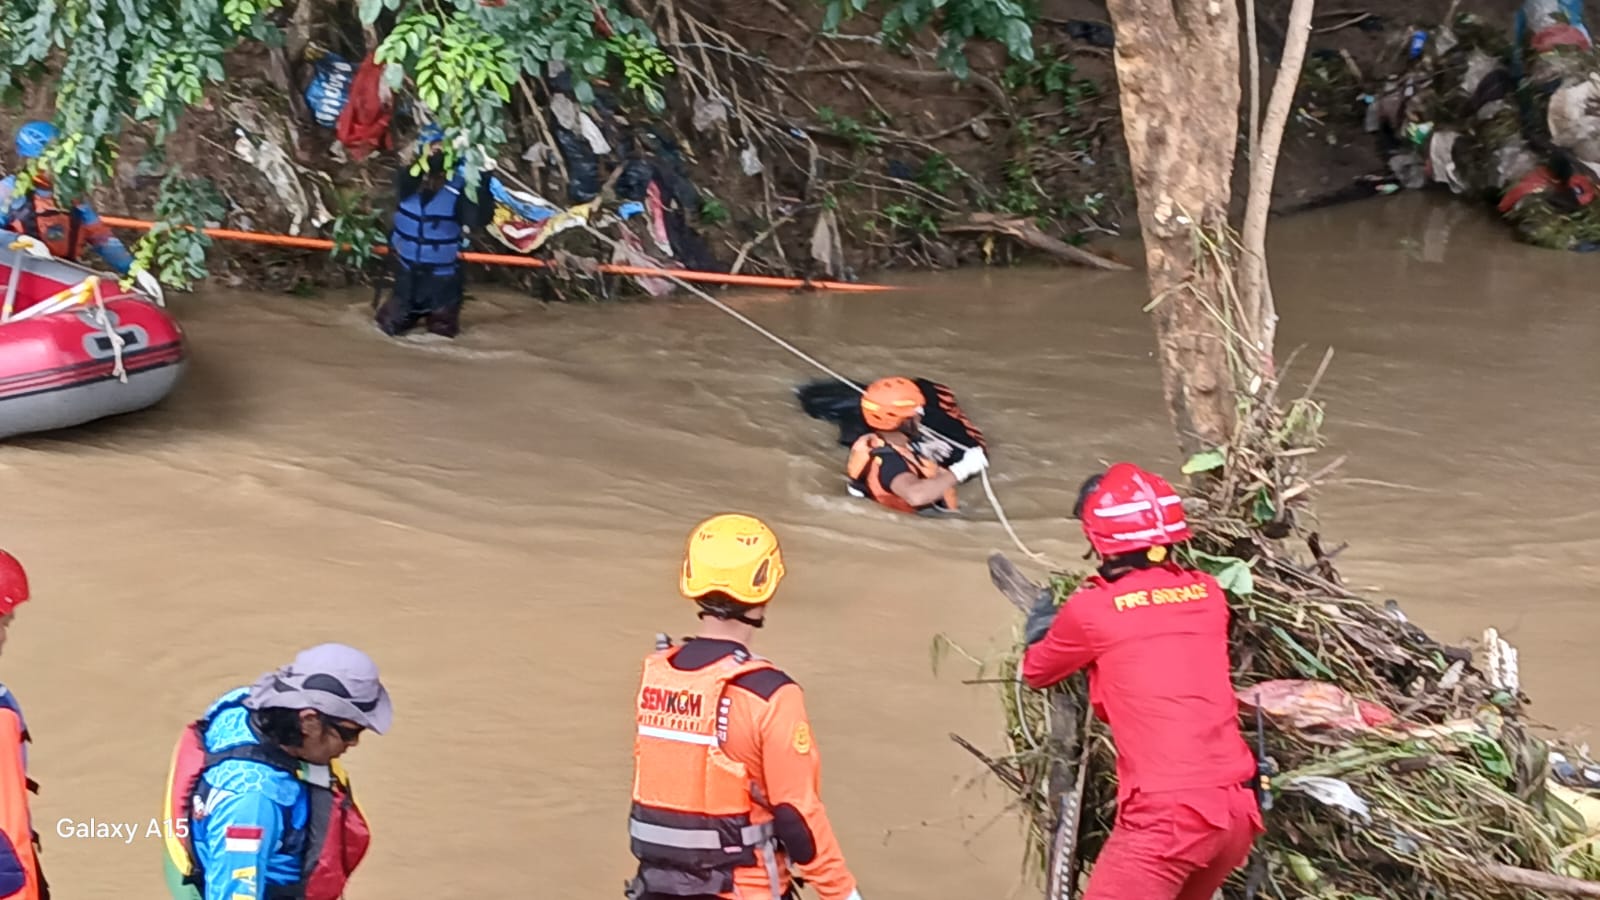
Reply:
x=144 y=60
x=462 y=59
x=911 y=216
x=643 y=65
x=713 y=212
x=1023 y=196
x=937 y=174
x=1206 y=461
x=119 y=62
x=1050 y=75
x=957 y=21
x=175 y=249
x=1232 y=573
x=460 y=71
x=357 y=229
x=848 y=128
x=1062 y=584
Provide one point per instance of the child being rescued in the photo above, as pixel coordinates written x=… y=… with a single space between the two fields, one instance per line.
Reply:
x=910 y=443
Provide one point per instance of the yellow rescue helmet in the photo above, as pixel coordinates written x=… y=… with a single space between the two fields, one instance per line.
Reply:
x=735 y=555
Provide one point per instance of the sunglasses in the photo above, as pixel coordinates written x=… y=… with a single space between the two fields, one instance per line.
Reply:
x=347 y=733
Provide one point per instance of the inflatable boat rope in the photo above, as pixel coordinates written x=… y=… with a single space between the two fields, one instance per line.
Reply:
x=111 y=334
x=64 y=300
x=72 y=296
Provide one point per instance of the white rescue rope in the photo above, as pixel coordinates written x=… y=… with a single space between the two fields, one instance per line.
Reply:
x=111 y=334
x=988 y=488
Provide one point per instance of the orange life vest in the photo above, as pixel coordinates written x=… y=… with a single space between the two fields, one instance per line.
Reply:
x=59 y=229
x=866 y=458
x=691 y=823
x=20 y=874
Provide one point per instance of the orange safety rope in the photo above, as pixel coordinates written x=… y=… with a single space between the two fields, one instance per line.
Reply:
x=527 y=262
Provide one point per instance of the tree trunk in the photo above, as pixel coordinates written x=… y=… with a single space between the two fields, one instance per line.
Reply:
x=1178 y=72
x=1255 y=289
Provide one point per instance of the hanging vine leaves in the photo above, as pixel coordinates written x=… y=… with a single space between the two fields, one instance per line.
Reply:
x=462 y=62
x=1007 y=22
x=120 y=61
x=116 y=63
x=123 y=61
x=177 y=248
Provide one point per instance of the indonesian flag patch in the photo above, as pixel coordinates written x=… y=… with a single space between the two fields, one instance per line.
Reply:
x=242 y=839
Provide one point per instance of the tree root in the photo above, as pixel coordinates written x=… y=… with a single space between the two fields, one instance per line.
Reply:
x=1542 y=881
x=1028 y=233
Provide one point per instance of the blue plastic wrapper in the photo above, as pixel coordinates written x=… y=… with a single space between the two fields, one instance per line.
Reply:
x=329 y=90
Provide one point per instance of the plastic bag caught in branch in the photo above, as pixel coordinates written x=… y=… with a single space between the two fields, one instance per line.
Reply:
x=1305 y=704
x=1331 y=792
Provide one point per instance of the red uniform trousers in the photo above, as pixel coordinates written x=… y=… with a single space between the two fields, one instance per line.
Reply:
x=1175 y=845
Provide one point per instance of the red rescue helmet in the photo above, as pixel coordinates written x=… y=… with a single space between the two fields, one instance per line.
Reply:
x=889 y=403
x=13 y=583
x=1128 y=509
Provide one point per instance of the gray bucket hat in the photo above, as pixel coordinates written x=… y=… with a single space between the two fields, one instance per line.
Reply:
x=334 y=679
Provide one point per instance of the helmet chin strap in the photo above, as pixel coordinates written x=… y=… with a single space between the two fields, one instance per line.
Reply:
x=737 y=617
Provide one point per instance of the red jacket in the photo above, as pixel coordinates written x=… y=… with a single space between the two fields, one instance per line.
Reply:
x=1155 y=642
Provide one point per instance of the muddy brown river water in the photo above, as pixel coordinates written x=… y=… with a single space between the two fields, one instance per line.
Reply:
x=498 y=522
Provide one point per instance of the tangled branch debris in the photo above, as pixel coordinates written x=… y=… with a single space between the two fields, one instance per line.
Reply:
x=1406 y=768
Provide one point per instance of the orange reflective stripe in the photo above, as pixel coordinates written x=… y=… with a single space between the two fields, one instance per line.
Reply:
x=947 y=402
x=865 y=463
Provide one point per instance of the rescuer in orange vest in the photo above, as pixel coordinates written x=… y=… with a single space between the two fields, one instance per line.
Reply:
x=21 y=878
x=726 y=773
x=888 y=466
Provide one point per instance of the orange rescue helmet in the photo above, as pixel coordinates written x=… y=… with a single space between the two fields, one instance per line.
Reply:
x=734 y=555
x=890 y=402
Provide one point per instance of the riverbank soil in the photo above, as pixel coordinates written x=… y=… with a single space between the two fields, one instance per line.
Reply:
x=877 y=153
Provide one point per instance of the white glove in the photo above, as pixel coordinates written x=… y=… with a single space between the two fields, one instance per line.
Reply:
x=969 y=465
x=30 y=246
x=151 y=287
x=489 y=162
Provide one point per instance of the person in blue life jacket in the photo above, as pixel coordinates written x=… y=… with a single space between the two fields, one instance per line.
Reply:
x=65 y=229
x=259 y=804
x=430 y=222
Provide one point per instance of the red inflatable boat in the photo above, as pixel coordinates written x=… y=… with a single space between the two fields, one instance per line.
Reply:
x=75 y=347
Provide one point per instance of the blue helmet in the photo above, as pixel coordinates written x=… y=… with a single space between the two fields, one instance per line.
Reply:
x=430 y=134
x=33 y=137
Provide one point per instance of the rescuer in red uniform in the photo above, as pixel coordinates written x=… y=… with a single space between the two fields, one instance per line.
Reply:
x=1154 y=639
